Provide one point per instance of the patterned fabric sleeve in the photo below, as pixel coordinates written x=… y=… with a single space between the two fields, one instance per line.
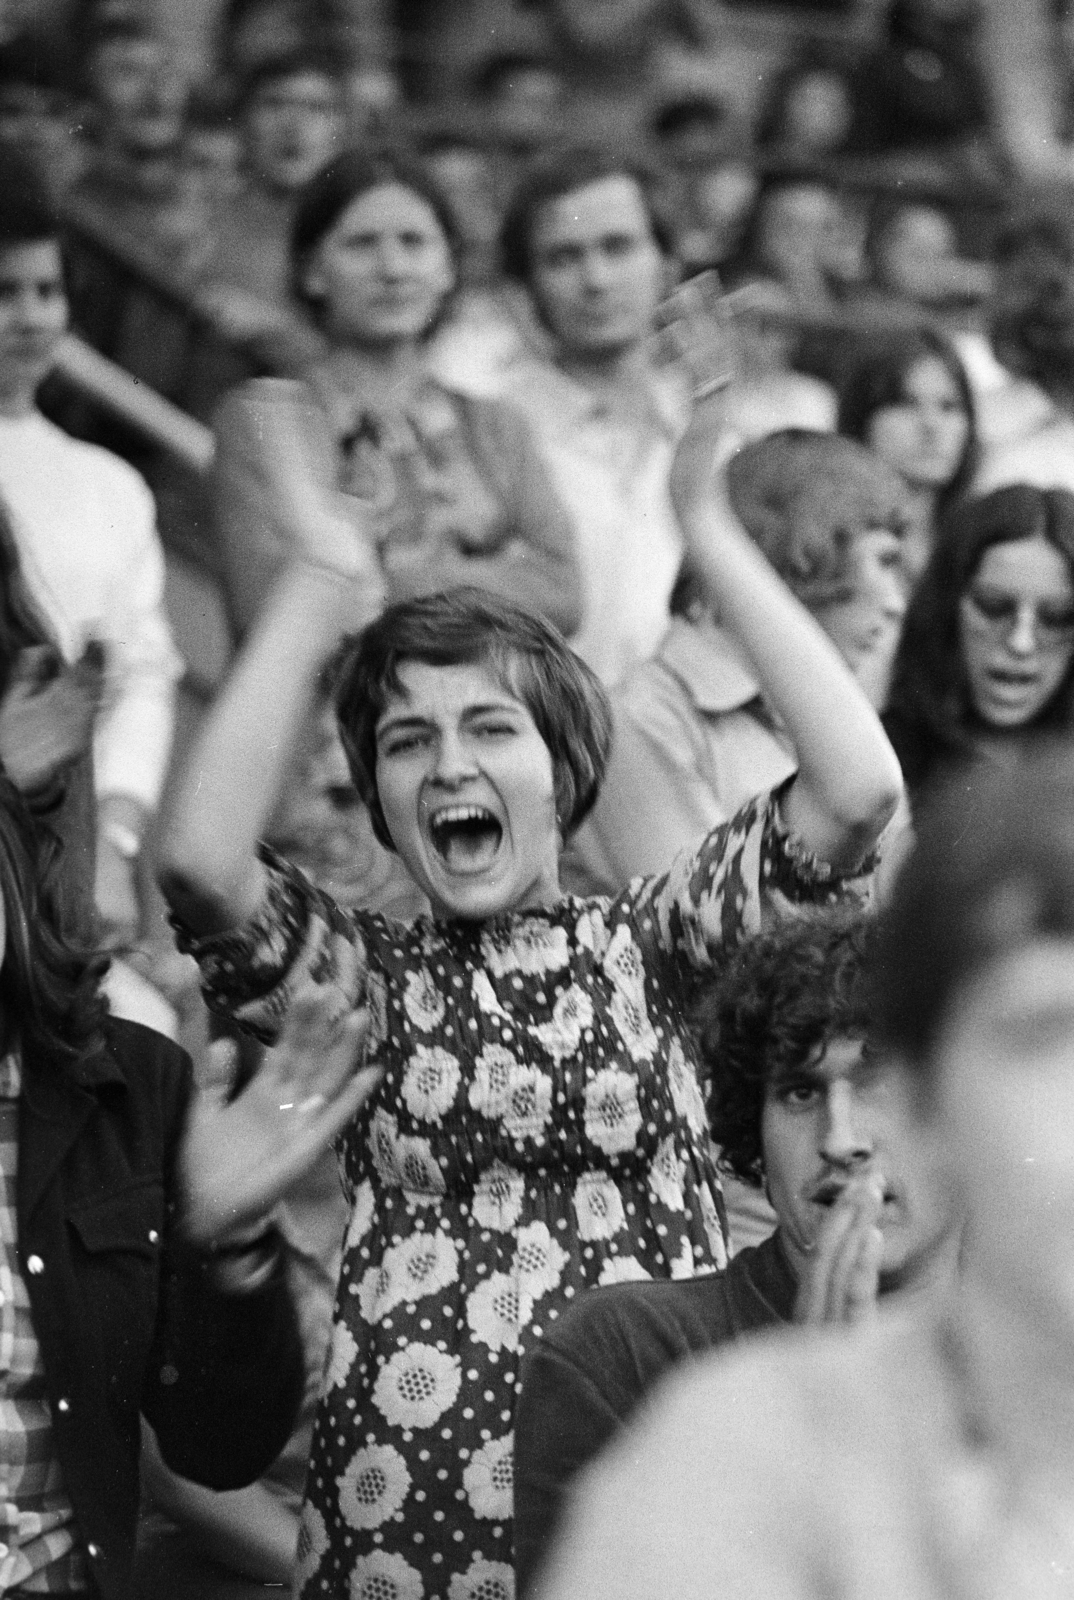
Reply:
x=249 y=974
x=746 y=871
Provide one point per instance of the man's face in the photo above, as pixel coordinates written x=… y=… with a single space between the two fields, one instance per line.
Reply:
x=292 y=128
x=596 y=271
x=1033 y=302
x=33 y=319
x=141 y=93
x=850 y=1115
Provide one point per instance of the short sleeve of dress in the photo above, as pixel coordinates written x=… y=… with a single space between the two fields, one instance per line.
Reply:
x=249 y=974
x=746 y=871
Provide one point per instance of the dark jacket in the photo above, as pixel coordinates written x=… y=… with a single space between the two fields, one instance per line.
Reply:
x=128 y=1319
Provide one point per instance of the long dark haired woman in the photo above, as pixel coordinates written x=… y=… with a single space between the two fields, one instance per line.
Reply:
x=909 y=399
x=987 y=652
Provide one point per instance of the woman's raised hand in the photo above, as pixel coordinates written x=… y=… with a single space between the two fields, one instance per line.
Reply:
x=238 y=1159
x=330 y=529
x=698 y=333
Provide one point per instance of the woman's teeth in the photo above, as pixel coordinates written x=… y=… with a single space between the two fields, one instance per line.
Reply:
x=466 y=837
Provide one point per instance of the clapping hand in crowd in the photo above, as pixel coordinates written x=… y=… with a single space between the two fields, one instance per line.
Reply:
x=840 y=1280
x=241 y=1156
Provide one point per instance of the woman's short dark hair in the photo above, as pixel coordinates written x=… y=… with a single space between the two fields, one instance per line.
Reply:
x=878 y=379
x=777 y=1004
x=803 y=495
x=49 y=990
x=929 y=689
x=524 y=653
x=343 y=179
x=991 y=870
x=562 y=172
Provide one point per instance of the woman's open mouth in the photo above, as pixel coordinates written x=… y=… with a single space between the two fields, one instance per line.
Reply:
x=466 y=838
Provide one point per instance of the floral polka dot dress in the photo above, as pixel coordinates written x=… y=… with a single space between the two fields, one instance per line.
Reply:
x=539 y=1129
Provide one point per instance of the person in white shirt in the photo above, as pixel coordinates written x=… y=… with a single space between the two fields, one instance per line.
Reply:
x=84 y=526
x=584 y=235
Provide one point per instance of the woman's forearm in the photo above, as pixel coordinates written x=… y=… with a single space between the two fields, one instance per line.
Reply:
x=231 y=780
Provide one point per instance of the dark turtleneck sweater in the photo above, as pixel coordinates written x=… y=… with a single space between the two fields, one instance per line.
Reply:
x=587 y=1376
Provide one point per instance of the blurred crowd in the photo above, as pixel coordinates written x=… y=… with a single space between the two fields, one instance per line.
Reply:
x=641 y=500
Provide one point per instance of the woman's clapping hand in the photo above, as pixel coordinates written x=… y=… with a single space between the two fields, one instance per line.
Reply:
x=239 y=1158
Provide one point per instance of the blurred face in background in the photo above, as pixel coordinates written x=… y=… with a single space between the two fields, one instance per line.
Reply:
x=1032 y=310
x=383 y=269
x=1004 y=1100
x=924 y=437
x=805 y=229
x=141 y=94
x=292 y=126
x=33 y=320
x=597 y=273
x=817 y=112
x=865 y=623
x=1016 y=632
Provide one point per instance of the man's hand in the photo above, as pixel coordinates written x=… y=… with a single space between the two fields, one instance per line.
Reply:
x=46 y=715
x=841 y=1277
x=239 y=1159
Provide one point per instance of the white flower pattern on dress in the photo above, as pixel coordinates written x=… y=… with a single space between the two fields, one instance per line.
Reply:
x=423 y=1264
x=498 y=1197
x=383 y=1575
x=418 y=1171
x=533 y=947
x=485 y=995
x=341 y=1354
x=539 y=1260
x=377 y=1003
x=623 y=1269
x=612 y=1112
x=529 y=1103
x=416 y=1386
x=497 y=1310
x=682 y=1265
x=423 y=1002
x=492 y=1081
x=429 y=1083
x=571 y=1016
x=710 y=1219
x=373 y=1487
x=598 y=1206
x=362 y=1212
x=666 y=1175
x=484 y=1580
x=686 y=1094
x=629 y=1007
x=312 y=1543
x=489 y=1479
x=591 y=931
